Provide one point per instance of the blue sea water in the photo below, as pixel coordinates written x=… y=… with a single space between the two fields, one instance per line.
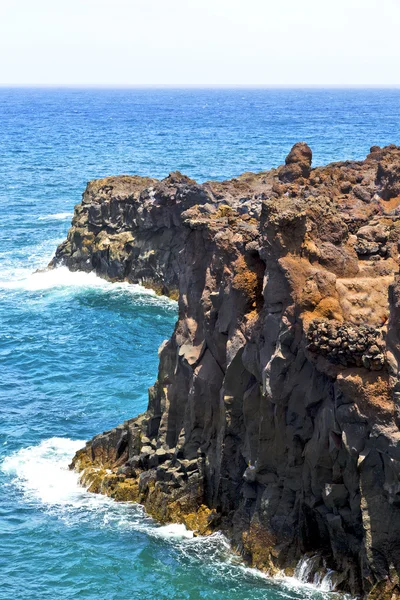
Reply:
x=77 y=354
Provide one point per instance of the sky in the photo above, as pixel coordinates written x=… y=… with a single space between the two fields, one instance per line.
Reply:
x=199 y=42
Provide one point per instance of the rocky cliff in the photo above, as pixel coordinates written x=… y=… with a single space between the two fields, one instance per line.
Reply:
x=275 y=414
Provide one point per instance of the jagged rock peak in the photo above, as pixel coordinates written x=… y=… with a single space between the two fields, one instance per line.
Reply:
x=300 y=153
x=297 y=163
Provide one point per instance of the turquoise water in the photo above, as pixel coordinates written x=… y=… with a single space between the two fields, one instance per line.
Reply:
x=77 y=354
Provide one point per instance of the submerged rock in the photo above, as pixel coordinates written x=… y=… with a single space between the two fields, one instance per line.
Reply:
x=274 y=416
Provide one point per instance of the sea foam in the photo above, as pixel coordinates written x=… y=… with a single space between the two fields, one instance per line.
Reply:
x=42 y=475
x=41 y=472
x=63 y=278
x=57 y=216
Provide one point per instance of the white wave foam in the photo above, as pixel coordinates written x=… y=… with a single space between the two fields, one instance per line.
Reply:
x=54 y=278
x=318 y=589
x=19 y=265
x=42 y=473
x=64 y=278
x=174 y=531
x=56 y=217
x=24 y=279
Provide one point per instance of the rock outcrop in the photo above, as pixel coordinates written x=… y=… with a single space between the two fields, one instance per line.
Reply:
x=275 y=414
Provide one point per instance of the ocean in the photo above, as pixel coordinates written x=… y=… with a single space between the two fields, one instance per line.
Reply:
x=77 y=354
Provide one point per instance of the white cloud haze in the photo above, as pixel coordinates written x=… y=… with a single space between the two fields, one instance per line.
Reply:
x=186 y=42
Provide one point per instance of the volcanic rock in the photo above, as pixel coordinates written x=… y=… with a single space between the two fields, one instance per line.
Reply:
x=275 y=415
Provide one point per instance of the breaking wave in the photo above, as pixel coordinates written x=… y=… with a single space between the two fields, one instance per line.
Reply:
x=64 y=282
x=41 y=473
x=56 y=217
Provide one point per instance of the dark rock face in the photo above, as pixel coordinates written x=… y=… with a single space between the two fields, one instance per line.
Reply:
x=298 y=163
x=275 y=415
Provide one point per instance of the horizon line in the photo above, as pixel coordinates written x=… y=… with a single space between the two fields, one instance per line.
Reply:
x=188 y=86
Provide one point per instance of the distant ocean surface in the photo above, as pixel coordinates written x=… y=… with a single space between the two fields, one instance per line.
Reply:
x=77 y=354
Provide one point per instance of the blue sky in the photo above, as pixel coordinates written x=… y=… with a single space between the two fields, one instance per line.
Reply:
x=210 y=42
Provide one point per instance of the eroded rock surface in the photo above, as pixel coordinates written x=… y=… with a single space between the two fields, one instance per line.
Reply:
x=275 y=413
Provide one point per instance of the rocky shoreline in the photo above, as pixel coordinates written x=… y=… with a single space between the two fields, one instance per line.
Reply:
x=274 y=417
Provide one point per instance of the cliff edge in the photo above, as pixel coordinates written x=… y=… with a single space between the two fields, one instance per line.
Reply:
x=275 y=414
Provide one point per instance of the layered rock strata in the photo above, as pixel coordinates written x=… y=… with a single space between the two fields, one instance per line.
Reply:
x=275 y=414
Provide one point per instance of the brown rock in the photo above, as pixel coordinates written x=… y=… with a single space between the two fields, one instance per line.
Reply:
x=298 y=163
